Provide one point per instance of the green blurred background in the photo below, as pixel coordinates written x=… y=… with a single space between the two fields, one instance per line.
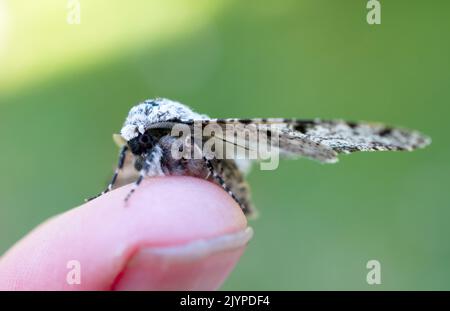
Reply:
x=64 y=89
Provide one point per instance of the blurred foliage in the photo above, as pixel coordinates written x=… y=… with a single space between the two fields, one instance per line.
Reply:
x=65 y=88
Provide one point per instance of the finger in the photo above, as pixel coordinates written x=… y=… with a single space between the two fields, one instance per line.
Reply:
x=175 y=233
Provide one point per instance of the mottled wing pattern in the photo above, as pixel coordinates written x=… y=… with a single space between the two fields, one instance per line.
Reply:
x=243 y=136
x=320 y=140
x=346 y=137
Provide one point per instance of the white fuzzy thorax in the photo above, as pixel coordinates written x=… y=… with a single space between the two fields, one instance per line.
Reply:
x=153 y=111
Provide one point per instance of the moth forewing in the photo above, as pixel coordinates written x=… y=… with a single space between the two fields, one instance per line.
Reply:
x=347 y=137
x=251 y=141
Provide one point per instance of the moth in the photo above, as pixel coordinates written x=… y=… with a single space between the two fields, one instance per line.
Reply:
x=147 y=144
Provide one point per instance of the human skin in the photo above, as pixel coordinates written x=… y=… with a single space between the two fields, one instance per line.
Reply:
x=175 y=233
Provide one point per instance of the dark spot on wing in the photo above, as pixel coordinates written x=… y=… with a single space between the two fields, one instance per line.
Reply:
x=300 y=128
x=385 y=132
x=245 y=121
x=303 y=126
x=352 y=124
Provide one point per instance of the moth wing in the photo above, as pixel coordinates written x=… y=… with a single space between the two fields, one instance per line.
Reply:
x=256 y=140
x=316 y=139
x=320 y=140
x=347 y=137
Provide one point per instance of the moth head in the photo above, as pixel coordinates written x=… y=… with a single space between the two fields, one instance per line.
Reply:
x=142 y=143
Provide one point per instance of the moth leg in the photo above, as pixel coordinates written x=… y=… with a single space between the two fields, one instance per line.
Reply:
x=150 y=167
x=142 y=174
x=122 y=155
x=221 y=182
x=235 y=180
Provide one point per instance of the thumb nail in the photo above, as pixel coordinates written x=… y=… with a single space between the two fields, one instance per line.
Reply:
x=197 y=265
